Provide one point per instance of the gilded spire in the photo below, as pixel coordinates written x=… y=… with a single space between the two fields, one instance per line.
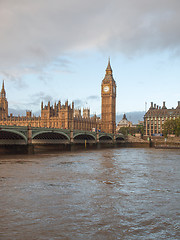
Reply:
x=3 y=85
x=109 y=69
x=109 y=65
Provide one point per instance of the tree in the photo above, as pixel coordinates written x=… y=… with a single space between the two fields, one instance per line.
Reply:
x=177 y=129
x=124 y=131
x=172 y=126
x=132 y=130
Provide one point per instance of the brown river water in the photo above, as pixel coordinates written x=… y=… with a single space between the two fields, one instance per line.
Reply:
x=104 y=194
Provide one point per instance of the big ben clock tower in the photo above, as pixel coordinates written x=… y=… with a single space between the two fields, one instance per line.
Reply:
x=108 y=105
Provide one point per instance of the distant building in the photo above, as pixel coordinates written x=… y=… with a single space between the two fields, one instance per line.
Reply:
x=140 y=123
x=123 y=123
x=156 y=116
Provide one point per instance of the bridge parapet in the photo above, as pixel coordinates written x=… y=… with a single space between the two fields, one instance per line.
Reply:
x=35 y=131
x=30 y=135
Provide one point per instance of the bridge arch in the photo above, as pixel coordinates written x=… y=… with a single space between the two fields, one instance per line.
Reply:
x=82 y=137
x=120 y=138
x=50 y=135
x=12 y=137
x=105 y=138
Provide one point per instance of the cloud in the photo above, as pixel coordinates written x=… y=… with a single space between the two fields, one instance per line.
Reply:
x=17 y=111
x=43 y=72
x=22 y=112
x=39 y=97
x=78 y=103
x=38 y=37
x=38 y=32
x=33 y=101
x=85 y=102
x=14 y=76
x=93 y=97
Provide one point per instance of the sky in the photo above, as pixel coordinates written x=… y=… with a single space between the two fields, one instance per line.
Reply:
x=58 y=50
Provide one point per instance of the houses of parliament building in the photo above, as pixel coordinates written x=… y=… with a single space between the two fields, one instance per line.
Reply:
x=65 y=115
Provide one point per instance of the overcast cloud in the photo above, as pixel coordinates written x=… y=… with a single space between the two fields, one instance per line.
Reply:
x=38 y=32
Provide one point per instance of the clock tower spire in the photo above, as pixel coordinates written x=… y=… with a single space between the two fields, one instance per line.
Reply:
x=108 y=102
x=109 y=69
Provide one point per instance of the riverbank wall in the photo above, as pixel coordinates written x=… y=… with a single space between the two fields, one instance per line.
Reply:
x=33 y=149
x=130 y=142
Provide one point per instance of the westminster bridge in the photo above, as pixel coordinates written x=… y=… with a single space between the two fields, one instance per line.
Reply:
x=31 y=137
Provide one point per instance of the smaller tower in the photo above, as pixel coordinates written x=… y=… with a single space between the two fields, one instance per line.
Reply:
x=86 y=113
x=77 y=113
x=3 y=104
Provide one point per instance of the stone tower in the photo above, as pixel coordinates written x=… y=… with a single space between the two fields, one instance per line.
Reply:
x=3 y=103
x=108 y=105
x=86 y=113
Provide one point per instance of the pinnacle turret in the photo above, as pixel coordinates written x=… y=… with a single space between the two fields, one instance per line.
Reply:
x=3 y=92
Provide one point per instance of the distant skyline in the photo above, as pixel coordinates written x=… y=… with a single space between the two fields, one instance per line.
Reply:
x=59 y=51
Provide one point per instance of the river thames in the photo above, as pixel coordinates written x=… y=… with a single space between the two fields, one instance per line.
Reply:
x=125 y=193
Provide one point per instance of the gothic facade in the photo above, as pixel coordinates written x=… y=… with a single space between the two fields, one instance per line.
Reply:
x=65 y=115
x=57 y=116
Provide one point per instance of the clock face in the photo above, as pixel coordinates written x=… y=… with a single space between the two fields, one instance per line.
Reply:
x=106 y=89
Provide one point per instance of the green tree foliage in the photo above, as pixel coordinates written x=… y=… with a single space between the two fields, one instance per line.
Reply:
x=124 y=130
x=132 y=130
x=172 y=127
